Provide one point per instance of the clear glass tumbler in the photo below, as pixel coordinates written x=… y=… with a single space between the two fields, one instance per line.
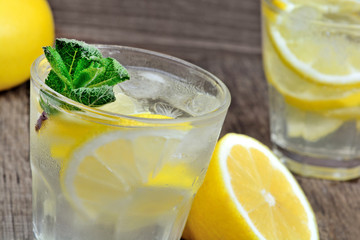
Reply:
x=311 y=55
x=128 y=170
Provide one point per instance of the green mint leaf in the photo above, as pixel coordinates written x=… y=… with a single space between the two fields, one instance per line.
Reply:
x=80 y=73
x=47 y=103
x=55 y=82
x=86 y=71
x=113 y=74
x=93 y=97
x=71 y=51
x=58 y=65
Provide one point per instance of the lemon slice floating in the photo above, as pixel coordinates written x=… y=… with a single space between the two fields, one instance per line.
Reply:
x=249 y=194
x=302 y=93
x=99 y=175
x=310 y=126
x=101 y=166
x=326 y=54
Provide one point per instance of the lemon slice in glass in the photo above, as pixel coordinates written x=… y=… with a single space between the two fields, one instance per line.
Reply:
x=100 y=174
x=101 y=167
x=301 y=93
x=310 y=126
x=310 y=42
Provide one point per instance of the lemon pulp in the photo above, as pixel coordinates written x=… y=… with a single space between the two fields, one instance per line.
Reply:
x=249 y=194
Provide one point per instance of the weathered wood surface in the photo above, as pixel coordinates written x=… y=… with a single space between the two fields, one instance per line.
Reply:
x=220 y=36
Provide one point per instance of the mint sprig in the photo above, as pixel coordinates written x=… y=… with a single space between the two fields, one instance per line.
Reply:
x=80 y=72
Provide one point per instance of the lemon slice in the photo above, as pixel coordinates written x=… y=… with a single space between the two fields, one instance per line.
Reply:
x=349 y=113
x=310 y=43
x=63 y=133
x=249 y=194
x=325 y=5
x=301 y=93
x=101 y=168
x=309 y=126
x=102 y=172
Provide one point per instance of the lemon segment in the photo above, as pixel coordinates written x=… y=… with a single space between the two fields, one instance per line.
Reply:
x=174 y=175
x=249 y=194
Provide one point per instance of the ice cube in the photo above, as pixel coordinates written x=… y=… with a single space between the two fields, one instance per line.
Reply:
x=143 y=84
x=201 y=104
x=296 y=25
x=151 y=213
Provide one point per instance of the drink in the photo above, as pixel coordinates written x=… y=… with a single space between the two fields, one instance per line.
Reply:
x=310 y=53
x=101 y=175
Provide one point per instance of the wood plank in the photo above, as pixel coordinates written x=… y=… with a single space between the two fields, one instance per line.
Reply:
x=15 y=176
x=231 y=25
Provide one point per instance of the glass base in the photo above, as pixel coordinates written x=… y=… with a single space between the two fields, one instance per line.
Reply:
x=325 y=168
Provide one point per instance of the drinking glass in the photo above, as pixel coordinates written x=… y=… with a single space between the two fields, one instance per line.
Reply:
x=311 y=56
x=127 y=170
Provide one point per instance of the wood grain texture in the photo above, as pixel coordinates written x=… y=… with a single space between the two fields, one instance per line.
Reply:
x=15 y=176
x=220 y=36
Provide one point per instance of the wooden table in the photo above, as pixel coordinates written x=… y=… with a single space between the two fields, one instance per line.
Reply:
x=221 y=36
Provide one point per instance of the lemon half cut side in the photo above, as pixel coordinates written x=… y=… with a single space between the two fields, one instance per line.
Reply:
x=249 y=194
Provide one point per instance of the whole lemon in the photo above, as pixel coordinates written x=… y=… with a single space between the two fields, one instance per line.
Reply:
x=25 y=26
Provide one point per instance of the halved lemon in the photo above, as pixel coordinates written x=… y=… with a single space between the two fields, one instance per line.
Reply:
x=319 y=41
x=249 y=194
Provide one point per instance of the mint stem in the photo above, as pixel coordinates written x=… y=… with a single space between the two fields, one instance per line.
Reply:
x=40 y=121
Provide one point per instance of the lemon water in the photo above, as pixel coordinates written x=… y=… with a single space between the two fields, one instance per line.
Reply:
x=127 y=179
x=311 y=61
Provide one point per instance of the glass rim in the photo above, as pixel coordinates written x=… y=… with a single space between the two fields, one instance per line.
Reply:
x=334 y=24
x=111 y=116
